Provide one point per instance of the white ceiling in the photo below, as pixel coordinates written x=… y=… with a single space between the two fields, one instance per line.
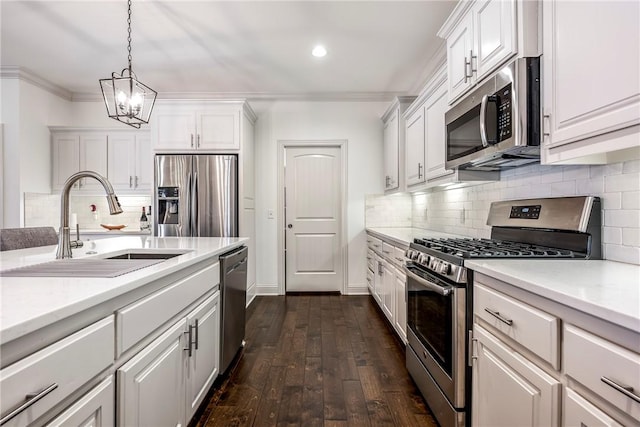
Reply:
x=248 y=48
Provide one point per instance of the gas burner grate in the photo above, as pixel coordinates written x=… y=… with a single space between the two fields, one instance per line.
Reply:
x=489 y=248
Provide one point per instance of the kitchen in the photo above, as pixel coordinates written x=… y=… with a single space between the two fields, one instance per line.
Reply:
x=601 y=165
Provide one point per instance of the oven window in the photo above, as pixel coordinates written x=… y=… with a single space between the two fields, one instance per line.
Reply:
x=430 y=317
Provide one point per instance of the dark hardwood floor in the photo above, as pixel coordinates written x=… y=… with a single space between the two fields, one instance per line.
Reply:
x=318 y=360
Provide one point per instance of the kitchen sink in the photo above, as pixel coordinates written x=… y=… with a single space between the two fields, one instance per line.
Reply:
x=144 y=255
x=87 y=267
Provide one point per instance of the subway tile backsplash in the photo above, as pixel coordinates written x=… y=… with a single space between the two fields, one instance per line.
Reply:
x=388 y=211
x=44 y=210
x=464 y=211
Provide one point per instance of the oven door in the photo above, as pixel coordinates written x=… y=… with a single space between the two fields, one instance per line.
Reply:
x=436 y=329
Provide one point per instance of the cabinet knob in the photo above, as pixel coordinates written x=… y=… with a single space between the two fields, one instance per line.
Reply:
x=289 y=225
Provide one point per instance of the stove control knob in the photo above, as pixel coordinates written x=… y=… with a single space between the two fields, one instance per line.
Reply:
x=423 y=259
x=445 y=268
x=408 y=253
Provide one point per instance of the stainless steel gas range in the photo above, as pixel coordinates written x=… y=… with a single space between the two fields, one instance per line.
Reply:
x=439 y=288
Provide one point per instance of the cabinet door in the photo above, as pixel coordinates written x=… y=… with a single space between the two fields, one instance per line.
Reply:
x=94 y=409
x=388 y=285
x=205 y=351
x=391 y=147
x=93 y=157
x=143 y=163
x=494 y=23
x=435 y=139
x=509 y=390
x=378 y=281
x=579 y=412
x=401 y=305
x=583 y=95
x=459 y=48
x=121 y=161
x=151 y=389
x=66 y=158
x=415 y=147
x=218 y=130
x=174 y=129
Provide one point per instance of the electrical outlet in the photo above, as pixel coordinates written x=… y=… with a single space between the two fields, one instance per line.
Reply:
x=270 y=214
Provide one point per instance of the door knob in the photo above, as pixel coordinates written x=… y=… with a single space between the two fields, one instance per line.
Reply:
x=290 y=226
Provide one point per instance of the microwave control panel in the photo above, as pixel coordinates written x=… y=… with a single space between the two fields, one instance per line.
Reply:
x=505 y=127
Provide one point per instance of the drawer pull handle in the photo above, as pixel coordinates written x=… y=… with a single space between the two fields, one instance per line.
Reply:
x=499 y=316
x=399 y=259
x=31 y=398
x=624 y=389
x=386 y=252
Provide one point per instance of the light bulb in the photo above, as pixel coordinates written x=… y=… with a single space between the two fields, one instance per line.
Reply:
x=319 y=51
x=121 y=97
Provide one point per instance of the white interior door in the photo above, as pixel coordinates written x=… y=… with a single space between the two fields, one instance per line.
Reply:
x=313 y=219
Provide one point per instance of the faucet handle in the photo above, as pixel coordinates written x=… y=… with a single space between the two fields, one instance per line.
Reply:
x=77 y=243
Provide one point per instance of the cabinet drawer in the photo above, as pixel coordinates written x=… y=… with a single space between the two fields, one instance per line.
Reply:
x=534 y=329
x=398 y=256
x=604 y=368
x=370 y=260
x=139 y=319
x=579 y=412
x=375 y=244
x=55 y=371
x=387 y=250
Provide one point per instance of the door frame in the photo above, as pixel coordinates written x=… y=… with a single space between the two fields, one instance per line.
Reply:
x=281 y=223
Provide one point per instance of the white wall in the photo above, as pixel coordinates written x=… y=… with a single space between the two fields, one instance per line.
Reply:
x=356 y=122
x=27 y=111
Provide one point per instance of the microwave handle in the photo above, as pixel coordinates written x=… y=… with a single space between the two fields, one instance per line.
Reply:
x=483 y=116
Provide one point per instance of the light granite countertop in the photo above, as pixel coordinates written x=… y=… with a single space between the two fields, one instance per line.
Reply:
x=30 y=303
x=605 y=289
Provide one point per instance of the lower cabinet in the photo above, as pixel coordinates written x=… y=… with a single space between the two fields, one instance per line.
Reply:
x=504 y=379
x=94 y=409
x=166 y=381
x=386 y=281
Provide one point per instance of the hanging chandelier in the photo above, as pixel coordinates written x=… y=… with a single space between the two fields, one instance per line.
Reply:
x=127 y=99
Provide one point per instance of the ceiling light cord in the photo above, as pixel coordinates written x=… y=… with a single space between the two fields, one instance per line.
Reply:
x=129 y=34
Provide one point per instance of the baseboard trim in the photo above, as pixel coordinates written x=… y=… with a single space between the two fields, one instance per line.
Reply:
x=267 y=289
x=357 y=290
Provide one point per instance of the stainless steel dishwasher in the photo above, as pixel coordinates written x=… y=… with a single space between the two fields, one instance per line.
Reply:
x=233 y=289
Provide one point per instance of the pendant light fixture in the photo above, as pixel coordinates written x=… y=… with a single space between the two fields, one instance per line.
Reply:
x=127 y=99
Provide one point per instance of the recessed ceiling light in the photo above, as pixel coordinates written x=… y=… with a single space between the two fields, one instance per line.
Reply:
x=319 y=51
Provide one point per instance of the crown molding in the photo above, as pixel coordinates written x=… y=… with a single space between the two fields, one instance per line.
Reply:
x=262 y=96
x=21 y=73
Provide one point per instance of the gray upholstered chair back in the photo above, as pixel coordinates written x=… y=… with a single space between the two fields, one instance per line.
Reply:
x=20 y=238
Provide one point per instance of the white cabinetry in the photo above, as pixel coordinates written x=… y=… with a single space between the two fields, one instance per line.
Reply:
x=393 y=144
x=386 y=281
x=76 y=151
x=247 y=220
x=482 y=35
x=47 y=377
x=166 y=381
x=516 y=354
x=95 y=409
x=130 y=162
x=197 y=126
x=415 y=148
x=504 y=379
x=151 y=385
x=590 y=110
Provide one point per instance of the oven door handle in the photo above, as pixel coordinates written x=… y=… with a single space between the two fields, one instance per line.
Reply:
x=442 y=290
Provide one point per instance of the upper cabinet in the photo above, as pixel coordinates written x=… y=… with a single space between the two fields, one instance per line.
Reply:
x=130 y=161
x=212 y=126
x=482 y=35
x=122 y=156
x=590 y=70
x=393 y=143
x=76 y=151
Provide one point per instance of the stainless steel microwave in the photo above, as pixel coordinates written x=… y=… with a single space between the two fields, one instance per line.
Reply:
x=497 y=126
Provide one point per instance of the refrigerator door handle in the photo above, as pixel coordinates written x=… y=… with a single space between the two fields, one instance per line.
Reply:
x=194 y=206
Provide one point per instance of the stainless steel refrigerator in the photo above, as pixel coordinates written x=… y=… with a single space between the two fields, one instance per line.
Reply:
x=196 y=195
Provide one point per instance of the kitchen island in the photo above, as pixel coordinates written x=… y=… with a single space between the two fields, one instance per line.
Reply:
x=78 y=340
